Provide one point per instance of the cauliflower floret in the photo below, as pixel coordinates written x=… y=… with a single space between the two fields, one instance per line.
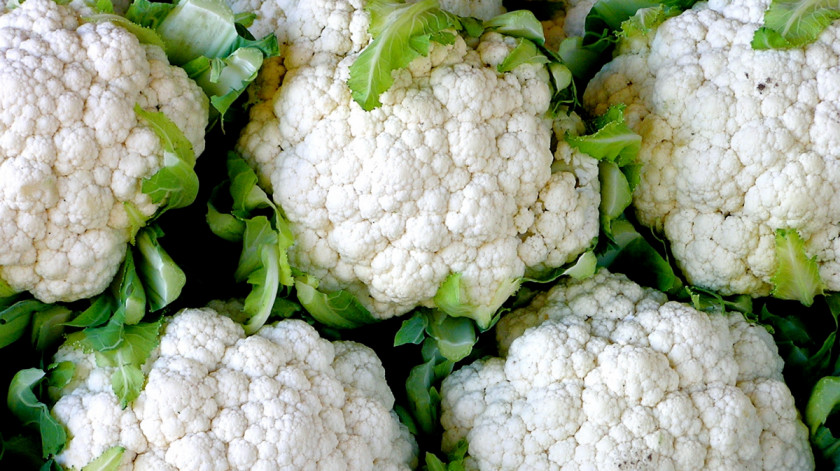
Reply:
x=736 y=143
x=604 y=374
x=454 y=173
x=283 y=398
x=72 y=150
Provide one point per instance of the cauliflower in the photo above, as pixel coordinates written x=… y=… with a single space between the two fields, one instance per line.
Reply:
x=215 y=399
x=454 y=174
x=604 y=374
x=73 y=152
x=737 y=143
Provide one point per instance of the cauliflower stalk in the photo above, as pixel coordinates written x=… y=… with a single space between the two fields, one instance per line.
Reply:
x=454 y=176
x=283 y=398
x=738 y=145
x=605 y=374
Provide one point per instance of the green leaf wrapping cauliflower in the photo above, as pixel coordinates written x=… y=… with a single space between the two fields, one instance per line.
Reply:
x=215 y=399
x=604 y=374
x=454 y=174
x=73 y=152
x=737 y=143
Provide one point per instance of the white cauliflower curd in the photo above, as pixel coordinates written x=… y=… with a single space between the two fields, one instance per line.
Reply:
x=736 y=142
x=73 y=152
x=281 y=399
x=604 y=374
x=455 y=173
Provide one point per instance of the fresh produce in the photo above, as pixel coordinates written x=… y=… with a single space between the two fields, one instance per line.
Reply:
x=216 y=399
x=605 y=373
x=80 y=114
x=452 y=170
x=412 y=206
x=739 y=144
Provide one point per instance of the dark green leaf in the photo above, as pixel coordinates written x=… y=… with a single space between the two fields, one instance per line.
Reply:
x=25 y=405
x=100 y=310
x=412 y=331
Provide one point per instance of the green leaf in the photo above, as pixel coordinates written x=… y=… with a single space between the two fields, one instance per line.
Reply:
x=611 y=14
x=584 y=266
x=48 y=326
x=412 y=331
x=109 y=460
x=518 y=24
x=15 y=318
x=452 y=299
x=423 y=398
x=337 y=309
x=433 y=463
x=244 y=187
x=473 y=27
x=25 y=405
x=224 y=225
x=5 y=289
x=97 y=313
x=226 y=82
x=127 y=383
x=265 y=282
x=175 y=185
x=629 y=252
x=797 y=276
x=525 y=52
x=196 y=28
x=710 y=301
x=108 y=336
x=135 y=345
x=393 y=26
x=258 y=233
x=60 y=374
x=824 y=401
x=583 y=60
x=245 y=19
x=789 y=24
x=148 y=14
x=160 y=275
x=616 y=194
x=127 y=288
x=613 y=141
x=454 y=336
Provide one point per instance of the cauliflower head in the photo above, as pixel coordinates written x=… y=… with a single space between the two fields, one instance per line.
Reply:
x=604 y=374
x=215 y=399
x=736 y=142
x=454 y=173
x=72 y=150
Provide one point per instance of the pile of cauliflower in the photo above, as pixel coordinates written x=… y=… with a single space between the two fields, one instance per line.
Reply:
x=216 y=399
x=463 y=170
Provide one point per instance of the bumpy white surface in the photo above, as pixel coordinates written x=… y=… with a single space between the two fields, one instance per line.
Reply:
x=455 y=173
x=603 y=374
x=72 y=150
x=281 y=399
x=736 y=143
